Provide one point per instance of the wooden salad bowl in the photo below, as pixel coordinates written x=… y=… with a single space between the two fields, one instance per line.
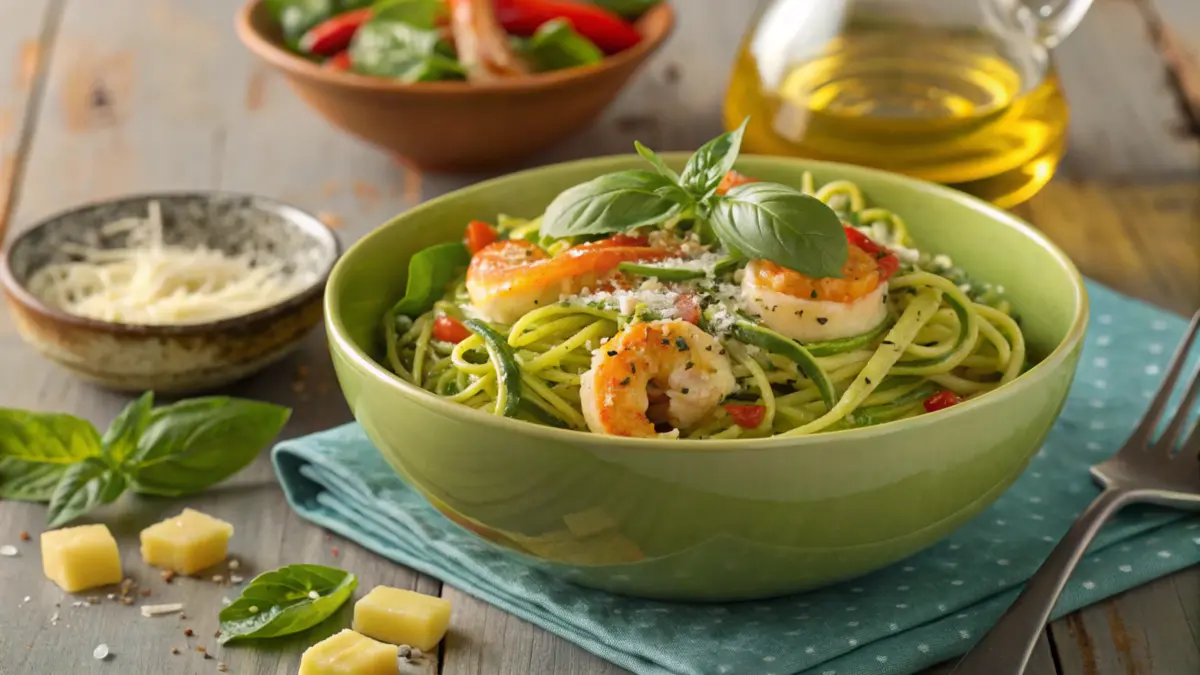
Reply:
x=456 y=126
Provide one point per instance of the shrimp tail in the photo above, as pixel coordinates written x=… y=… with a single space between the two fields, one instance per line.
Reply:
x=481 y=42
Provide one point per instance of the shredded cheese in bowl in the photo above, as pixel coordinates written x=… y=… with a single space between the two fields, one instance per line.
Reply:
x=150 y=282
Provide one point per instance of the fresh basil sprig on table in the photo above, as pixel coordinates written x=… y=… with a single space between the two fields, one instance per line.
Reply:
x=761 y=220
x=286 y=601
x=173 y=450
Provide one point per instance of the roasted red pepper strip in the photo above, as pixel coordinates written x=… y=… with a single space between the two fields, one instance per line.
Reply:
x=335 y=33
x=479 y=234
x=608 y=31
x=688 y=308
x=887 y=261
x=733 y=179
x=449 y=329
x=339 y=61
x=746 y=416
x=941 y=400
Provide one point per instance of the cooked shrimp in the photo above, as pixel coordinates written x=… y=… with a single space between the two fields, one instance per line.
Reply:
x=684 y=368
x=810 y=310
x=508 y=279
x=481 y=43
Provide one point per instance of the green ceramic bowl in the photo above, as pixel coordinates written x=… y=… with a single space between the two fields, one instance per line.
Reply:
x=712 y=520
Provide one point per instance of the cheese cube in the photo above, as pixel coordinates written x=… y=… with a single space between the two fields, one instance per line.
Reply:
x=402 y=617
x=349 y=653
x=187 y=543
x=79 y=558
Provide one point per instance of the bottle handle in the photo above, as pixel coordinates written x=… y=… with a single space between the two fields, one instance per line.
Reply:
x=1046 y=22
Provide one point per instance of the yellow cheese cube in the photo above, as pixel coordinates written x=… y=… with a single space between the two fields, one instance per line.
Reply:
x=187 y=543
x=402 y=617
x=349 y=653
x=79 y=558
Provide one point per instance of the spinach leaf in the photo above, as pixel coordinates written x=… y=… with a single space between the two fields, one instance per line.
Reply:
x=46 y=438
x=83 y=487
x=429 y=272
x=388 y=47
x=708 y=165
x=193 y=444
x=282 y=602
x=615 y=202
x=659 y=165
x=417 y=13
x=296 y=17
x=630 y=9
x=122 y=435
x=555 y=46
x=29 y=481
x=783 y=225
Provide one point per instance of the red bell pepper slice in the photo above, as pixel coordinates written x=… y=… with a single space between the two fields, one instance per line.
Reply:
x=335 y=33
x=479 y=234
x=746 y=416
x=449 y=329
x=608 y=31
x=942 y=400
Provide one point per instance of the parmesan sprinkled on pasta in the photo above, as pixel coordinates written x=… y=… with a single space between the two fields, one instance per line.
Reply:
x=150 y=282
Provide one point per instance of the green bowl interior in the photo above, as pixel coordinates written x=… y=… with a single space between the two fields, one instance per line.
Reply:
x=1045 y=288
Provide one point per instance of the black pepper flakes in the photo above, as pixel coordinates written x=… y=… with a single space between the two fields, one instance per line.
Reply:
x=799 y=312
x=633 y=368
x=681 y=344
x=685 y=390
x=889 y=342
x=689 y=366
x=612 y=352
x=868 y=380
x=625 y=382
x=813 y=295
x=822 y=320
x=708 y=348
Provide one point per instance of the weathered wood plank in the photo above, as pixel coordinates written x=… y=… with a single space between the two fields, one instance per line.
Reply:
x=1144 y=631
x=1042 y=662
x=1176 y=28
x=1125 y=121
x=483 y=639
x=26 y=35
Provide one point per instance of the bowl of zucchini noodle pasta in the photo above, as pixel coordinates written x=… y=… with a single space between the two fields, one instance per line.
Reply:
x=703 y=376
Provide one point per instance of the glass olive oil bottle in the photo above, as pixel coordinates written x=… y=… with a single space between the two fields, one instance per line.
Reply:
x=958 y=97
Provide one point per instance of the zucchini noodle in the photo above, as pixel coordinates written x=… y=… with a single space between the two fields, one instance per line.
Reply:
x=941 y=336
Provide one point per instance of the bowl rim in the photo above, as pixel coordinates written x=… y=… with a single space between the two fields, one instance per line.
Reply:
x=339 y=336
x=268 y=50
x=20 y=294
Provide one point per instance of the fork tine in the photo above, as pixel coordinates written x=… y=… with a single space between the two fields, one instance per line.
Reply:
x=1166 y=442
x=1145 y=431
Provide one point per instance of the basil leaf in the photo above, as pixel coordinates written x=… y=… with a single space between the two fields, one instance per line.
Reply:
x=387 y=47
x=709 y=164
x=122 y=435
x=83 y=487
x=50 y=438
x=555 y=46
x=781 y=224
x=429 y=272
x=630 y=9
x=193 y=444
x=29 y=481
x=615 y=202
x=280 y=603
x=295 y=17
x=659 y=166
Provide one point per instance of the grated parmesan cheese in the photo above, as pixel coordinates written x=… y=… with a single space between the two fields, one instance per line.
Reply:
x=151 y=282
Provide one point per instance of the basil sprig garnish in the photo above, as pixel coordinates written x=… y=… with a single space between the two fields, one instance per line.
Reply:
x=173 y=450
x=286 y=601
x=760 y=220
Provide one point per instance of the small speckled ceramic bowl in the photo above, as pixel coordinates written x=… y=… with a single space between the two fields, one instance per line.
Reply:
x=173 y=358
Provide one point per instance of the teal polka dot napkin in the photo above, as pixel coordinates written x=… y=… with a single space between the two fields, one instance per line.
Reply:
x=899 y=620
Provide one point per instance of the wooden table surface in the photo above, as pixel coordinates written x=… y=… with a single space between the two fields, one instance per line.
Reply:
x=101 y=98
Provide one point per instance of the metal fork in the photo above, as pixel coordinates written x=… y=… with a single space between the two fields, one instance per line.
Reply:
x=1143 y=471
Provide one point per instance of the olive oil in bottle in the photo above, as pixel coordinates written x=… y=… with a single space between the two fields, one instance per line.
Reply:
x=954 y=106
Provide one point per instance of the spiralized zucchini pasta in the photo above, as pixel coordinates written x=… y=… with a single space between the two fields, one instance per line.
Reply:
x=728 y=308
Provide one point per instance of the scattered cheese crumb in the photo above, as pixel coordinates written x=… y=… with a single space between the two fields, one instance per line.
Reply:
x=100 y=652
x=8 y=551
x=235 y=579
x=254 y=609
x=314 y=595
x=234 y=564
x=158 y=610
